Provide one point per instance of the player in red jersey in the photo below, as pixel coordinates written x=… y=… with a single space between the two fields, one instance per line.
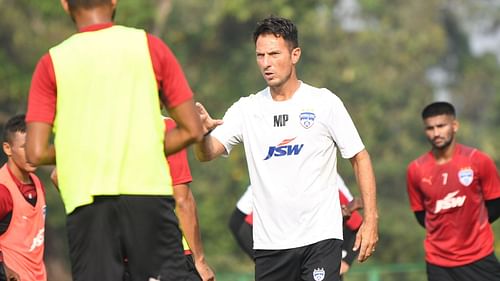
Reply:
x=185 y=208
x=22 y=210
x=454 y=191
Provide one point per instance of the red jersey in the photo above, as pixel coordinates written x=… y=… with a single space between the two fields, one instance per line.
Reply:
x=169 y=77
x=178 y=163
x=355 y=220
x=27 y=190
x=453 y=197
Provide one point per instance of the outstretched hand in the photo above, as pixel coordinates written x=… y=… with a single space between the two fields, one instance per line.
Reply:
x=207 y=121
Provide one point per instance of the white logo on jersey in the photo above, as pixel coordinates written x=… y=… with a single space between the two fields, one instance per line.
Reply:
x=449 y=201
x=38 y=240
x=307 y=119
x=319 y=274
x=466 y=176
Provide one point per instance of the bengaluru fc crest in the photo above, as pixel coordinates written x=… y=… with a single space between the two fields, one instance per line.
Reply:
x=466 y=176
x=307 y=119
x=319 y=274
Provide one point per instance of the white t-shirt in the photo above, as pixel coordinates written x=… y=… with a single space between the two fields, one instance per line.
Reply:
x=244 y=204
x=291 y=149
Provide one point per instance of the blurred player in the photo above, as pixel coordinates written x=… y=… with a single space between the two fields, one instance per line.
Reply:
x=187 y=214
x=98 y=92
x=22 y=210
x=241 y=222
x=454 y=191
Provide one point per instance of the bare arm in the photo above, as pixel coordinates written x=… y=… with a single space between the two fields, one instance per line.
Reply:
x=39 y=151
x=208 y=148
x=188 y=218
x=188 y=130
x=367 y=236
x=10 y=274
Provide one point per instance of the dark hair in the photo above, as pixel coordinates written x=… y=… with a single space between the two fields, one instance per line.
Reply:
x=438 y=108
x=14 y=125
x=280 y=27
x=86 y=4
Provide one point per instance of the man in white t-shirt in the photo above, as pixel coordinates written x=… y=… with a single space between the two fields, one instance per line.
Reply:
x=291 y=132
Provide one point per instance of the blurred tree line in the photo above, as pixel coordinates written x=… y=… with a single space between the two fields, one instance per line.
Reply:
x=385 y=59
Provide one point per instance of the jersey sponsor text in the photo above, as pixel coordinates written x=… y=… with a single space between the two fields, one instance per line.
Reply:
x=284 y=150
x=449 y=201
x=38 y=239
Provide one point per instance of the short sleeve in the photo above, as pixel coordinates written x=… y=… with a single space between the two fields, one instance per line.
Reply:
x=178 y=162
x=343 y=130
x=414 y=194
x=244 y=204
x=489 y=178
x=170 y=77
x=43 y=93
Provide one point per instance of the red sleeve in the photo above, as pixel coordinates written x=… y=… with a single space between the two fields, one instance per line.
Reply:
x=488 y=176
x=169 y=75
x=343 y=199
x=354 y=221
x=42 y=95
x=178 y=163
x=6 y=204
x=414 y=194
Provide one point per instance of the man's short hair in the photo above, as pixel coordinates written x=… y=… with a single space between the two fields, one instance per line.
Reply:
x=14 y=124
x=280 y=27
x=86 y=4
x=438 y=108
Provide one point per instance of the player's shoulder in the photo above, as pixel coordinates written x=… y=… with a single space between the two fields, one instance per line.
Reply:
x=324 y=93
x=421 y=160
x=253 y=99
x=472 y=153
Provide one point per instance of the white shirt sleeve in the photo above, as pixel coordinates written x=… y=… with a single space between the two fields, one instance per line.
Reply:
x=245 y=202
x=343 y=130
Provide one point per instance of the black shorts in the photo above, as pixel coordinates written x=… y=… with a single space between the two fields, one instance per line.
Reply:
x=193 y=274
x=142 y=229
x=242 y=231
x=318 y=261
x=485 y=269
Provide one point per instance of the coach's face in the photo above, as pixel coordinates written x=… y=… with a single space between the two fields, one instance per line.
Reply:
x=275 y=58
x=440 y=130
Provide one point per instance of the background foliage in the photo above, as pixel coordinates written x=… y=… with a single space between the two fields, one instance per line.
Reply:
x=386 y=59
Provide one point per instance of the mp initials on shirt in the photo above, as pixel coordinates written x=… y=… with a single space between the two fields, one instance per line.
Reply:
x=280 y=120
x=450 y=201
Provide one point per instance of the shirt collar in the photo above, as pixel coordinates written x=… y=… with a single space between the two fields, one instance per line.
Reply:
x=16 y=180
x=95 y=27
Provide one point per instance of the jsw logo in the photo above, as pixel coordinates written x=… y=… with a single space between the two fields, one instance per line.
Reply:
x=38 y=240
x=449 y=202
x=284 y=150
